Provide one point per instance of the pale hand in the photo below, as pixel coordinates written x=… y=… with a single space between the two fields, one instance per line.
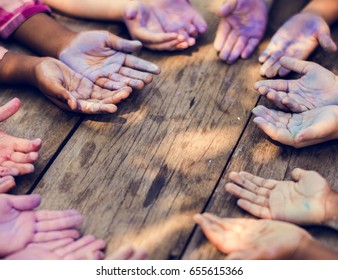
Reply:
x=21 y=225
x=17 y=155
x=101 y=57
x=298 y=130
x=241 y=28
x=248 y=239
x=72 y=91
x=301 y=201
x=297 y=38
x=318 y=87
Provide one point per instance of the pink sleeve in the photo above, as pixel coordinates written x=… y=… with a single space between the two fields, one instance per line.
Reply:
x=14 y=12
x=3 y=51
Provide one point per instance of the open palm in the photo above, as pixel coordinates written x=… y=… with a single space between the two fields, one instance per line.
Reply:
x=252 y=239
x=21 y=225
x=241 y=28
x=101 y=57
x=301 y=201
x=297 y=38
x=298 y=130
x=317 y=87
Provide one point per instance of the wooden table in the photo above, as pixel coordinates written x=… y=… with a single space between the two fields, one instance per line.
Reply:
x=139 y=175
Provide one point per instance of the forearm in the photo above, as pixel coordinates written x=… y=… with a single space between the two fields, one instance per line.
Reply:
x=98 y=9
x=44 y=35
x=18 y=69
x=311 y=249
x=327 y=9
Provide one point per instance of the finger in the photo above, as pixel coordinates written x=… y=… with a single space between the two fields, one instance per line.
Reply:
x=87 y=252
x=283 y=72
x=192 y=30
x=273 y=70
x=9 y=109
x=59 y=224
x=278 y=85
x=227 y=9
x=191 y=41
x=133 y=83
x=6 y=183
x=123 y=253
x=9 y=171
x=134 y=74
x=89 y=107
x=55 y=235
x=123 y=45
x=297 y=174
x=249 y=49
x=148 y=37
x=222 y=33
x=200 y=23
x=259 y=181
x=25 y=202
x=294 y=106
x=26 y=146
x=242 y=193
x=237 y=49
x=19 y=157
x=326 y=41
x=46 y=215
x=141 y=64
x=24 y=168
x=272 y=60
x=277 y=98
x=254 y=209
x=296 y=65
x=266 y=53
x=139 y=254
x=228 y=45
x=168 y=46
x=52 y=245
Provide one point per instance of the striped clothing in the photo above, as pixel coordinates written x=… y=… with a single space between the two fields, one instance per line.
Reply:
x=14 y=12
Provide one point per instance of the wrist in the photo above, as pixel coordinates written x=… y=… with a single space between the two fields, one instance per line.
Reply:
x=18 y=69
x=44 y=35
x=305 y=245
x=331 y=211
x=326 y=9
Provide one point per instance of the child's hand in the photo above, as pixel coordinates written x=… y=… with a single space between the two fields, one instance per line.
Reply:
x=21 y=225
x=317 y=88
x=241 y=28
x=17 y=155
x=299 y=130
x=252 y=239
x=301 y=201
x=165 y=24
x=297 y=38
x=144 y=25
x=72 y=91
x=101 y=57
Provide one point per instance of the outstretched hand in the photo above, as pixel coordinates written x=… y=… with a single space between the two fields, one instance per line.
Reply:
x=248 y=239
x=21 y=225
x=164 y=24
x=72 y=91
x=301 y=201
x=101 y=57
x=241 y=28
x=318 y=87
x=297 y=38
x=298 y=130
x=17 y=155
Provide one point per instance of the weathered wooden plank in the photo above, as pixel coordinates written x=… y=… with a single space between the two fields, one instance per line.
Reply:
x=138 y=176
x=257 y=154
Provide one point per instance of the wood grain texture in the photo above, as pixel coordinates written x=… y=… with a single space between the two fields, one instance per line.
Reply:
x=139 y=176
x=258 y=154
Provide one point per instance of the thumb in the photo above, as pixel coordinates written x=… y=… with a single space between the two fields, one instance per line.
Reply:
x=227 y=9
x=9 y=109
x=120 y=44
x=131 y=10
x=297 y=174
x=25 y=202
x=325 y=40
